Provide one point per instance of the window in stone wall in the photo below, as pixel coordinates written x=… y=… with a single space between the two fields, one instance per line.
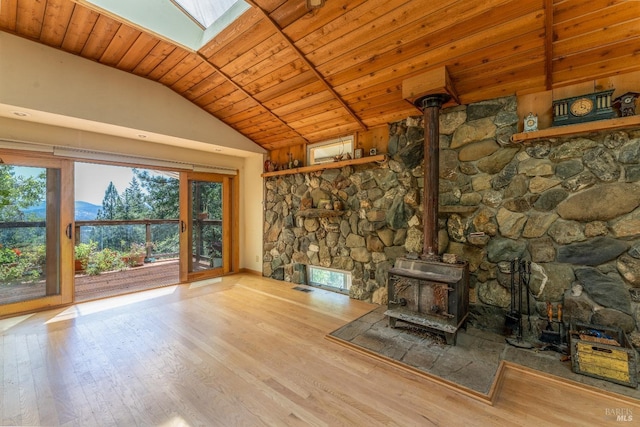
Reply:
x=330 y=151
x=337 y=280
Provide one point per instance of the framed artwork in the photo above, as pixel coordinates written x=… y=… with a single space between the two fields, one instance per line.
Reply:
x=357 y=154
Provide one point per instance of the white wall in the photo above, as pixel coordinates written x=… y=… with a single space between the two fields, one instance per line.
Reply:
x=56 y=136
x=251 y=223
x=40 y=78
x=71 y=91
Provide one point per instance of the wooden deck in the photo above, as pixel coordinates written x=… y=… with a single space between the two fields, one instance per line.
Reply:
x=148 y=276
x=248 y=351
x=87 y=287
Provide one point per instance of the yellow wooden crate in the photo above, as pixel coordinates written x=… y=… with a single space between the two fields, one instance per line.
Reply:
x=609 y=362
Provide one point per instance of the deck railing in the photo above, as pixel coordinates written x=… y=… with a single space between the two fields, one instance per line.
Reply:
x=147 y=223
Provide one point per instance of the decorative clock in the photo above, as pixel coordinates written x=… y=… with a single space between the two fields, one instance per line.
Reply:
x=585 y=108
x=531 y=123
x=626 y=104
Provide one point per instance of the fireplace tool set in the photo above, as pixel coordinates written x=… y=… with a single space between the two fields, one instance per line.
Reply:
x=513 y=319
x=551 y=339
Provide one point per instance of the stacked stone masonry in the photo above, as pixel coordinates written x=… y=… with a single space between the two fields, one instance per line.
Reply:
x=570 y=205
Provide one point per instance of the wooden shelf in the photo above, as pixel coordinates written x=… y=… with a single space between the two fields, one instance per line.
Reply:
x=318 y=213
x=334 y=165
x=580 y=128
x=459 y=209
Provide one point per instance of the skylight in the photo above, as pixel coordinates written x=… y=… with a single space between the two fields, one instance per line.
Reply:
x=190 y=23
x=205 y=12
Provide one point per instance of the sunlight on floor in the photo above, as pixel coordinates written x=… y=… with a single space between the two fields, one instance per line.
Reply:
x=176 y=421
x=87 y=308
x=9 y=323
x=202 y=283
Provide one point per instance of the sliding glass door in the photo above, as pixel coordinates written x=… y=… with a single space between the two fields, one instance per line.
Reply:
x=36 y=249
x=206 y=206
x=37 y=229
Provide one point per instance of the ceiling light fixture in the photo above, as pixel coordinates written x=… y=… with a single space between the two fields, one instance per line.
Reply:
x=314 y=4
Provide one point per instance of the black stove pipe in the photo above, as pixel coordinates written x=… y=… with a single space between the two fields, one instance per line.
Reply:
x=430 y=106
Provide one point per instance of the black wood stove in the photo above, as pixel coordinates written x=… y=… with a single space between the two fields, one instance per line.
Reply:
x=426 y=291
x=431 y=294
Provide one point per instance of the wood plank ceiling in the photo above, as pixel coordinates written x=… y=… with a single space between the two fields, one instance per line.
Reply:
x=284 y=76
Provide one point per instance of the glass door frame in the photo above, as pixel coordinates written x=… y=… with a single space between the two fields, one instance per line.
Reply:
x=64 y=230
x=230 y=225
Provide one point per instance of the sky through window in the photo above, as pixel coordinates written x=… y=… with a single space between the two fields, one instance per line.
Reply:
x=189 y=23
x=206 y=12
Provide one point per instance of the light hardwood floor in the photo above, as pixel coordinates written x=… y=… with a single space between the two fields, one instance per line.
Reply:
x=245 y=351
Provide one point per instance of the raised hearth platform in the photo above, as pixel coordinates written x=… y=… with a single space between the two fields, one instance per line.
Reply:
x=472 y=367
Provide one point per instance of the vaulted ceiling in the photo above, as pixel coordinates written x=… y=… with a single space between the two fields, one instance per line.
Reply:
x=282 y=75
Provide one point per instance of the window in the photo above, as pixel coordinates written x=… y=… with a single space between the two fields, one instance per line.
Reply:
x=189 y=23
x=205 y=12
x=329 y=278
x=330 y=151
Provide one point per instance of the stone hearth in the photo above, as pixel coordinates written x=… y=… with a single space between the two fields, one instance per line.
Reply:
x=472 y=364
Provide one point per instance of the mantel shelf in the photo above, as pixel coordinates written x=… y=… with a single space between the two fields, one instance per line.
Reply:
x=580 y=128
x=318 y=213
x=334 y=165
x=458 y=209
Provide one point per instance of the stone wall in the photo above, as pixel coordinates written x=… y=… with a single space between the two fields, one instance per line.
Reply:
x=569 y=205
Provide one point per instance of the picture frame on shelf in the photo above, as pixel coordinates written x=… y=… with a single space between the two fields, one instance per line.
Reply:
x=357 y=154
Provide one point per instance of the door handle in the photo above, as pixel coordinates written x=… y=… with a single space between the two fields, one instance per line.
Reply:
x=183 y=226
x=67 y=231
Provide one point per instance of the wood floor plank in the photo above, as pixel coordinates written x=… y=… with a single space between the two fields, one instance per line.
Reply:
x=298 y=385
x=27 y=386
x=10 y=386
x=247 y=367
x=150 y=372
x=245 y=351
x=2 y=352
x=168 y=365
x=331 y=386
x=120 y=375
x=190 y=370
x=563 y=404
x=62 y=346
x=208 y=385
x=44 y=391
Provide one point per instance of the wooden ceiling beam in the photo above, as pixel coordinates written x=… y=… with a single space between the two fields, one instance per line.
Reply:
x=308 y=63
x=261 y=81
x=548 y=43
x=247 y=94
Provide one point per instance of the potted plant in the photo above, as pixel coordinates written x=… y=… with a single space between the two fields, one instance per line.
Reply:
x=134 y=257
x=82 y=253
x=103 y=261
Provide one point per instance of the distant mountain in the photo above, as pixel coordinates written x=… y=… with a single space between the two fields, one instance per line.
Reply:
x=84 y=211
